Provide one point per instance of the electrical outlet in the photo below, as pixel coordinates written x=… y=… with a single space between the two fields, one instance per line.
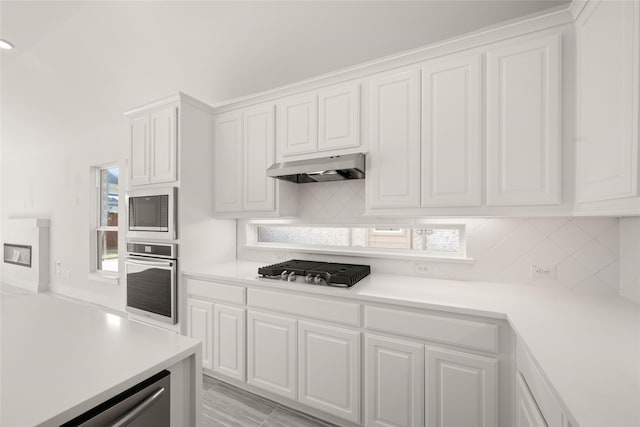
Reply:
x=542 y=272
x=58 y=264
x=422 y=268
x=67 y=274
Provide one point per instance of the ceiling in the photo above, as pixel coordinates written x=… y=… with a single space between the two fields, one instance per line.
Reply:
x=78 y=65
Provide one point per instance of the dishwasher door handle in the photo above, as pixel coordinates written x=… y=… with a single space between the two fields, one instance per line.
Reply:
x=139 y=409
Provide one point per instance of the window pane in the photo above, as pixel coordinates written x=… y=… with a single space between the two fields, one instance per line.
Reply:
x=108 y=250
x=446 y=240
x=109 y=197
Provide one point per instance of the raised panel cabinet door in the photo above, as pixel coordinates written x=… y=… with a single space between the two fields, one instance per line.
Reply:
x=259 y=151
x=228 y=171
x=393 y=174
x=461 y=389
x=271 y=353
x=164 y=145
x=607 y=138
x=139 y=151
x=297 y=131
x=339 y=117
x=527 y=411
x=200 y=327
x=523 y=123
x=229 y=341
x=394 y=382
x=329 y=369
x=452 y=132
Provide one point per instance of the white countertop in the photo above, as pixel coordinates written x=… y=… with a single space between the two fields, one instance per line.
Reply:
x=60 y=359
x=587 y=346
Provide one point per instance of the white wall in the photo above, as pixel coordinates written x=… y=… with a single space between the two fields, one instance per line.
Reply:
x=78 y=65
x=583 y=252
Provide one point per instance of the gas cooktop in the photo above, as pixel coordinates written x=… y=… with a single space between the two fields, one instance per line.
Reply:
x=318 y=273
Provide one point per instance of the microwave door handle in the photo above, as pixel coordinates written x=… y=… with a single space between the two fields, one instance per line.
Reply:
x=151 y=263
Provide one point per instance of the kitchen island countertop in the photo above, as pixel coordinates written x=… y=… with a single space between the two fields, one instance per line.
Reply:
x=586 y=345
x=60 y=358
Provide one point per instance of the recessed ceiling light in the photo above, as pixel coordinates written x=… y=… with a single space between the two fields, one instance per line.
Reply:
x=5 y=44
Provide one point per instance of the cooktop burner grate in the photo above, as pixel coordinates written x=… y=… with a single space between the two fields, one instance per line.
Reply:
x=324 y=273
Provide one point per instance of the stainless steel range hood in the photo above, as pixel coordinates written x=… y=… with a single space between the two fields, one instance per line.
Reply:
x=334 y=168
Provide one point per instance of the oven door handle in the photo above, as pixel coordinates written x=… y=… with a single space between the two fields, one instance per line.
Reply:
x=138 y=261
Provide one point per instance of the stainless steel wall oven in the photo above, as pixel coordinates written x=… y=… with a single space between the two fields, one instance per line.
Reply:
x=152 y=274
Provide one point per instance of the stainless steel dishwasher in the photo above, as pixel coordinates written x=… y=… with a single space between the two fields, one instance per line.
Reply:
x=147 y=404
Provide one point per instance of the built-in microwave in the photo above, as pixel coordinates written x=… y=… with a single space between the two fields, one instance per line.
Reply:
x=152 y=213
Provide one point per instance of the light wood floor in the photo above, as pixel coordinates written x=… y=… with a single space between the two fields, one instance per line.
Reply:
x=228 y=406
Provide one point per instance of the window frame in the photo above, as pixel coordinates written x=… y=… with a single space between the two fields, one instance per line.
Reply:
x=95 y=273
x=461 y=256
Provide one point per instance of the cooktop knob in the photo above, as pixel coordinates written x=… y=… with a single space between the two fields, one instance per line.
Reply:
x=309 y=278
x=318 y=280
x=291 y=277
x=284 y=275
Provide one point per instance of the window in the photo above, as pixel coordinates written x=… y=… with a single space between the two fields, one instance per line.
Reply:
x=437 y=240
x=106 y=232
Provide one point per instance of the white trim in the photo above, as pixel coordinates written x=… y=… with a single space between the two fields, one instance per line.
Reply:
x=363 y=252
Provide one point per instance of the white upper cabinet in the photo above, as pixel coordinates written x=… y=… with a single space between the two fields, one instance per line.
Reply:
x=164 y=145
x=153 y=143
x=461 y=390
x=607 y=132
x=297 y=131
x=523 y=122
x=452 y=132
x=259 y=189
x=393 y=173
x=339 y=117
x=139 y=151
x=228 y=162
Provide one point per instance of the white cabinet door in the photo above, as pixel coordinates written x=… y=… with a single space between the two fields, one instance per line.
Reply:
x=228 y=162
x=461 y=389
x=523 y=122
x=607 y=139
x=271 y=353
x=329 y=369
x=393 y=174
x=139 y=151
x=394 y=382
x=200 y=327
x=228 y=341
x=297 y=131
x=452 y=132
x=259 y=189
x=339 y=117
x=164 y=145
x=527 y=410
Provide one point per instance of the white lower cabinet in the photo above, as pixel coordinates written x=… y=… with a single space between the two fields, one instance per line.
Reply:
x=271 y=353
x=461 y=389
x=200 y=327
x=394 y=382
x=527 y=411
x=329 y=369
x=228 y=341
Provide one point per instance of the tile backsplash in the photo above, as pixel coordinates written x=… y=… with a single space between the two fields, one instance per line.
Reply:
x=581 y=254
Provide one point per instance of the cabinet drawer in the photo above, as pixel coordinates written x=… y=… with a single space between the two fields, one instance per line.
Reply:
x=217 y=291
x=303 y=306
x=464 y=333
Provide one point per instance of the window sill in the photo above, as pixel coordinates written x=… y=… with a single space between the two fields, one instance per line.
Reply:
x=364 y=253
x=111 y=279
